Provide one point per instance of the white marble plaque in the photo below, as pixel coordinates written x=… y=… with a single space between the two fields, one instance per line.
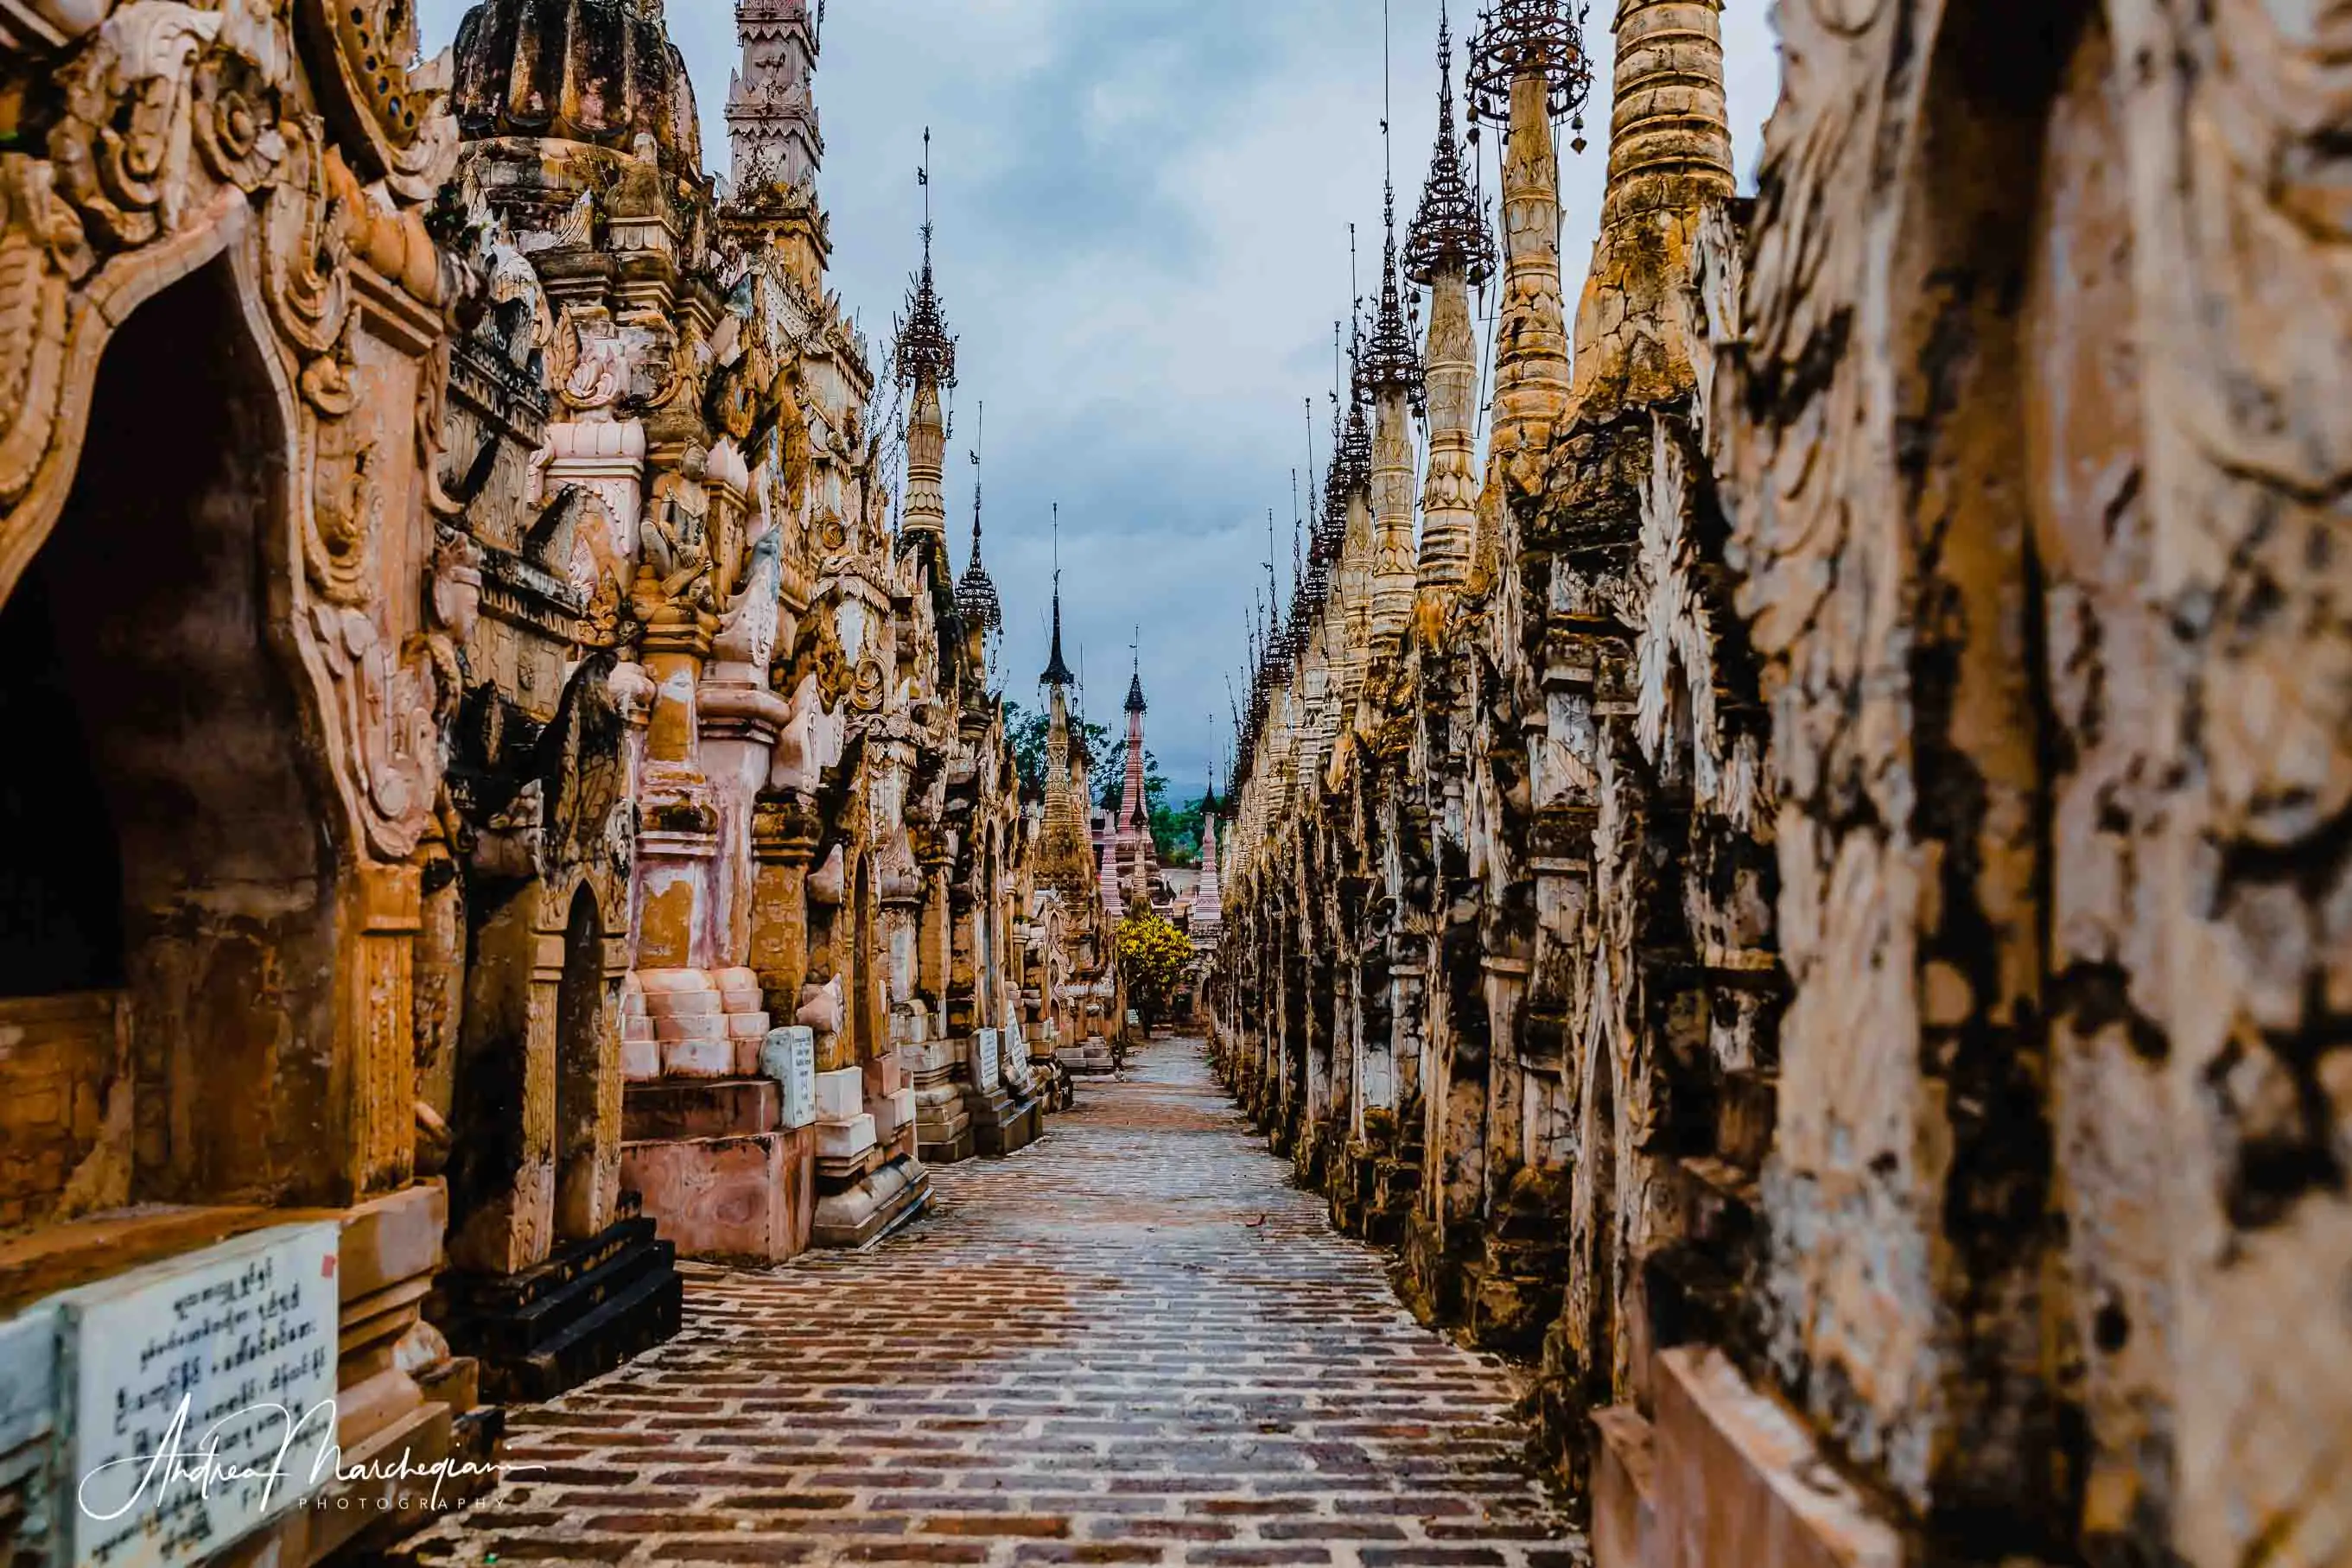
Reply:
x=789 y=1057
x=987 y=1059
x=199 y=1395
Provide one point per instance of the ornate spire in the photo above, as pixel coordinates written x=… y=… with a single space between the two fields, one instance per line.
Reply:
x=927 y=353
x=1390 y=361
x=1057 y=669
x=1355 y=464
x=1449 y=230
x=1332 y=528
x=926 y=365
x=1132 y=818
x=771 y=120
x=1106 y=881
x=1528 y=67
x=976 y=598
x=1208 y=895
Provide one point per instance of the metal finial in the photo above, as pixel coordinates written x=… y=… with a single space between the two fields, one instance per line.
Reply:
x=1450 y=229
x=1519 y=39
x=1391 y=363
x=1057 y=669
x=1354 y=287
x=926 y=350
x=976 y=598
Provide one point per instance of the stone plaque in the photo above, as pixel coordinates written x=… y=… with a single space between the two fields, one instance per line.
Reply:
x=199 y=1396
x=790 y=1058
x=987 y=1059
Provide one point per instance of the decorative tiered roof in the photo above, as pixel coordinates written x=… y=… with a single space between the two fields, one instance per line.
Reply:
x=925 y=347
x=1449 y=230
x=1519 y=37
x=1355 y=460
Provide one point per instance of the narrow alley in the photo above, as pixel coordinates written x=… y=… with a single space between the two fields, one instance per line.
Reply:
x=1161 y=1354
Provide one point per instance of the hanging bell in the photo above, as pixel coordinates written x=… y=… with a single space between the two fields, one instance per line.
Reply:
x=1577 y=125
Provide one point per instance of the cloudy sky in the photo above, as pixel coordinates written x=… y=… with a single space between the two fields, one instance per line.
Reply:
x=1142 y=209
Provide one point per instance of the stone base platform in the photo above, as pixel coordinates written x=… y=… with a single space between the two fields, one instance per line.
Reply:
x=873 y=1205
x=589 y=1308
x=724 y=1181
x=943 y=1128
x=1003 y=1124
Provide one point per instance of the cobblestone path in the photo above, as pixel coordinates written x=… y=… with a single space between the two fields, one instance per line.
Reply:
x=1131 y=1343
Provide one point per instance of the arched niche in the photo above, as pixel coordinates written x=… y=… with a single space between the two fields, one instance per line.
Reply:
x=164 y=844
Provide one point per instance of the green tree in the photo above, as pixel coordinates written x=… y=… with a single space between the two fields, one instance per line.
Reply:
x=1157 y=960
x=1177 y=832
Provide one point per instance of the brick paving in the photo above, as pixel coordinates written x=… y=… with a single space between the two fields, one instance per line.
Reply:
x=1131 y=1343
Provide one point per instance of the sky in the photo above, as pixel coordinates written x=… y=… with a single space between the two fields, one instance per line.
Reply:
x=1142 y=211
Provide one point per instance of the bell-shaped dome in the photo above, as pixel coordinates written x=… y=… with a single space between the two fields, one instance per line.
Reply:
x=598 y=71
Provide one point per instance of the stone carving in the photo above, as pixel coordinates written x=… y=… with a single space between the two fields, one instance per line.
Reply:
x=593 y=370
x=747 y=628
x=673 y=542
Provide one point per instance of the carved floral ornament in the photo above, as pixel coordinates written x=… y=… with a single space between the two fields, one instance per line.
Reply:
x=183 y=131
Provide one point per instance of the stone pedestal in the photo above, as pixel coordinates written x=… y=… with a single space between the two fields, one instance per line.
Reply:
x=728 y=1165
x=868 y=1180
x=1090 y=1057
x=1440 y=1269
x=1522 y=1274
x=866 y=1210
x=933 y=1068
x=743 y=1197
x=1003 y=1121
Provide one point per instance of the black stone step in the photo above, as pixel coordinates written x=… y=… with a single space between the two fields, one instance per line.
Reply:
x=532 y=1330
x=509 y=1293
x=622 y=1325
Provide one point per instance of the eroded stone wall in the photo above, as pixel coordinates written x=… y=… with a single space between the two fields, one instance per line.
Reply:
x=1859 y=866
